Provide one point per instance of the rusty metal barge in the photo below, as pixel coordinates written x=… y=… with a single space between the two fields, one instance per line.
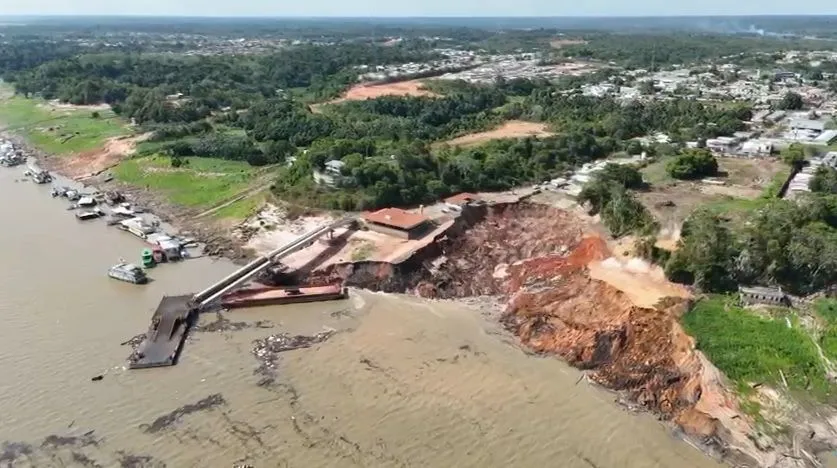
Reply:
x=264 y=296
x=164 y=339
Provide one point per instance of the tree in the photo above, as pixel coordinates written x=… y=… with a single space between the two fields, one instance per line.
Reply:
x=791 y=101
x=647 y=87
x=625 y=175
x=794 y=156
x=824 y=181
x=608 y=196
x=692 y=164
x=633 y=147
x=704 y=255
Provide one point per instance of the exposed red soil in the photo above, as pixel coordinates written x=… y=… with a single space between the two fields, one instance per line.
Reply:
x=364 y=91
x=538 y=257
x=94 y=162
x=509 y=129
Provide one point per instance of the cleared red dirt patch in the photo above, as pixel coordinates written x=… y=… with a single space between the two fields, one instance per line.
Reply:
x=510 y=129
x=91 y=163
x=362 y=92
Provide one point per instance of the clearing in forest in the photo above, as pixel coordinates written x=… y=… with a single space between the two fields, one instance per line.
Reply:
x=362 y=92
x=59 y=129
x=561 y=43
x=509 y=129
x=747 y=185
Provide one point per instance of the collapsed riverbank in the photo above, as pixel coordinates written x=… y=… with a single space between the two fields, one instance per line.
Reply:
x=563 y=292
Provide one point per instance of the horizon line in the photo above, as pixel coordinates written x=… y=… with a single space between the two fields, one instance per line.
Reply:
x=297 y=17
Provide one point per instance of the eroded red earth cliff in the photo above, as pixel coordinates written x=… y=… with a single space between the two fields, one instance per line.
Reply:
x=539 y=259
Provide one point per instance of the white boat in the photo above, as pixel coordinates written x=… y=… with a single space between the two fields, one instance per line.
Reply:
x=137 y=227
x=87 y=201
x=89 y=214
x=123 y=211
x=128 y=272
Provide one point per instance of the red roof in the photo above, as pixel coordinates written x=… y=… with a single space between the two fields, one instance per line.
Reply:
x=396 y=218
x=462 y=198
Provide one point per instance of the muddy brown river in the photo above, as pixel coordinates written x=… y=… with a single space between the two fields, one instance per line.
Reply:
x=402 y=383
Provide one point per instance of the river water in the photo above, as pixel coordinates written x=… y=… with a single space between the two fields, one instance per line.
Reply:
x=403 y=382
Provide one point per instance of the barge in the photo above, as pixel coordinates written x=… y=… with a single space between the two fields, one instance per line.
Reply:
x=264 y=296
x=166 y=335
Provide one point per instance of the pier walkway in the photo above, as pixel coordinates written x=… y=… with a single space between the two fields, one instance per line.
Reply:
x=173 y=317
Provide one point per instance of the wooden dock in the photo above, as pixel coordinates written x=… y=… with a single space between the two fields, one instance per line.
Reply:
x=164 y=339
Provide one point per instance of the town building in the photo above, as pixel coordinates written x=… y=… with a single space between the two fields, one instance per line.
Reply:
x=826 y=138
x=397 y=223
x=756 y=148
x=761 y=295
x=807 y=125
x=721 y=144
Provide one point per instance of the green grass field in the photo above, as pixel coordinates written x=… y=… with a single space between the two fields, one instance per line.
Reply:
x=655 y=173
x=826 y=310
x=200 y=183
x=242 y=208
x=749 y=348
x=58 y=131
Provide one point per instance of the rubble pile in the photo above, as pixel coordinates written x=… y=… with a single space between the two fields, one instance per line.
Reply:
x=474 y=263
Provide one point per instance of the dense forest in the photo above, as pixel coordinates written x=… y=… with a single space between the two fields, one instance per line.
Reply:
x=651 y=51
x=254 y=108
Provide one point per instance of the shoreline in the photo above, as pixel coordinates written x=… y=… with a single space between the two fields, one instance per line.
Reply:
x=215 y=238
x=410 y=277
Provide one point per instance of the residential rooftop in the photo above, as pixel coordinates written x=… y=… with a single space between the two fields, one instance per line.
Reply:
x=396 y=217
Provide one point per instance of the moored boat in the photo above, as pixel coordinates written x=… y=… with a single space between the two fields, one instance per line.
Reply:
x=263 y=296
x=89 y=214
x=148 y=258
x=128 y=272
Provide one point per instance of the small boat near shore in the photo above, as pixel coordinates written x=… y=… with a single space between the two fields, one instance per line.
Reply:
x=89 y=214
x=264 y=296
x=128 y=272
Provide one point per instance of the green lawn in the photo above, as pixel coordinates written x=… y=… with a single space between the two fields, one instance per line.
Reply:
x=826 y=310
x=655 y=173
x=242 y=208
x=199 y=183
x=59 y=131
x=749 y=348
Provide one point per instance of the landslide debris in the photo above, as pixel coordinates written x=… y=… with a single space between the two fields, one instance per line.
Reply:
x=618 y=322
x=473 y=264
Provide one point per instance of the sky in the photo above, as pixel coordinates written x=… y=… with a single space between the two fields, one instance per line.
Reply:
x=383 y=8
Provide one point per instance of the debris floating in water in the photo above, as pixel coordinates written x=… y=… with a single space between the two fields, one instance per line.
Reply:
x=267 y=350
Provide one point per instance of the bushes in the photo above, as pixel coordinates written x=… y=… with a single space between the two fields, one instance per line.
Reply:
x=705 y=255
x=169 y=131
x=230 y=147
x=782 y=242
x=692 y=164
x=608 y=195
